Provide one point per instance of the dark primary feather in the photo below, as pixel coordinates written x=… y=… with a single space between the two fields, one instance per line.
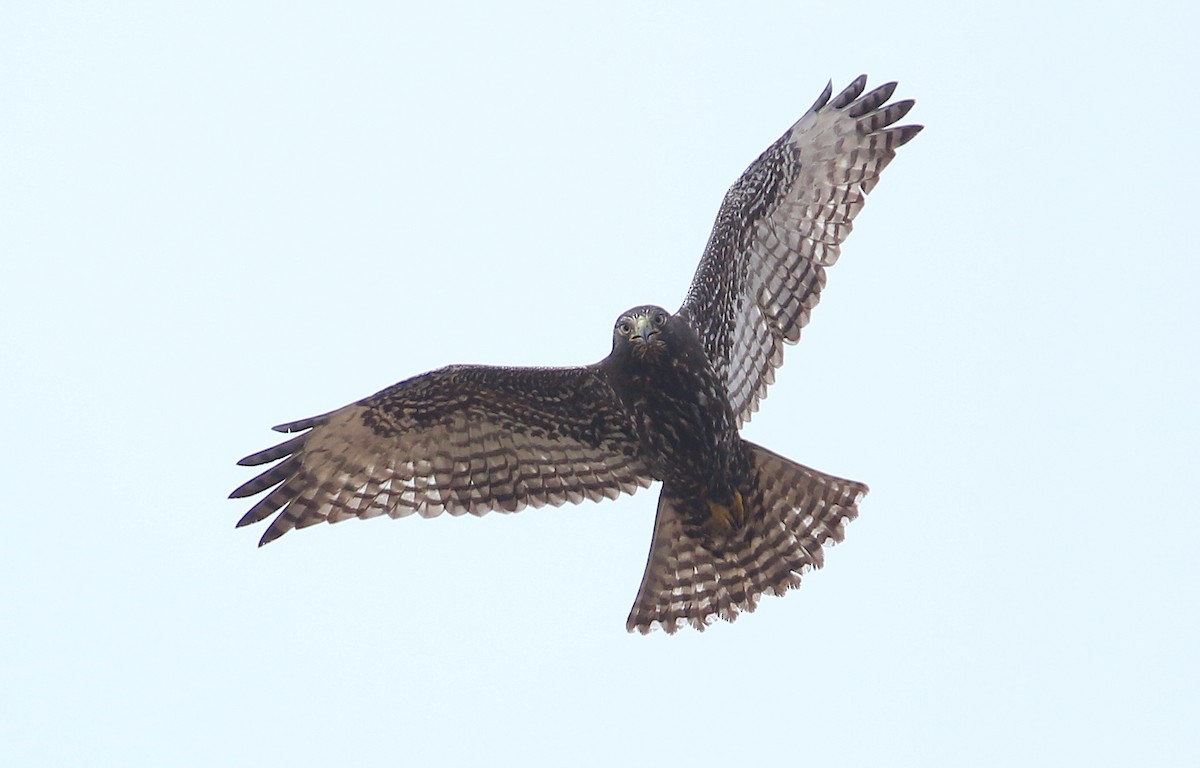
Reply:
x=780 y=225
x=459 y=439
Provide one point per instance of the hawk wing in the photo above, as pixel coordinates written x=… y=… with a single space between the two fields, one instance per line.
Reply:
x=779 y=226
x=459 y=439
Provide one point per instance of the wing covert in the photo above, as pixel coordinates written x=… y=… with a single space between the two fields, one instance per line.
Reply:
x=780 y=225
x=459 y=439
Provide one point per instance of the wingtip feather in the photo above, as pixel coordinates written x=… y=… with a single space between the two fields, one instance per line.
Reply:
x=893 y=112
x=301 y=424
x=274 y=453
x=906 y=133
x=851 y=92
x=872 y=100
x=823 y=99
x=270 y=535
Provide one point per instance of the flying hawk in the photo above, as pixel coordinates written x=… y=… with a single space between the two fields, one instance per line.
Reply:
x=735 y=521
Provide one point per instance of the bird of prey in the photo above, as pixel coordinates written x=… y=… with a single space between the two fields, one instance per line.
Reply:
x=735 y=521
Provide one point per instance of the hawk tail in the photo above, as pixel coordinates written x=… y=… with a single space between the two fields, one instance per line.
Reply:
x=791 y=512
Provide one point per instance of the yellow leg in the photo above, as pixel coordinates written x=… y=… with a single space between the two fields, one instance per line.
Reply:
x=725 y=518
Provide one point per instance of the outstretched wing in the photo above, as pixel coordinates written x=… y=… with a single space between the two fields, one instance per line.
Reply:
x=459 y=439
x=779 y=226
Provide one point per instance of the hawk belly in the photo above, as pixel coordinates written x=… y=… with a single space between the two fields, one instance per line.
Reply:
x=734 y=520
x=687 y=432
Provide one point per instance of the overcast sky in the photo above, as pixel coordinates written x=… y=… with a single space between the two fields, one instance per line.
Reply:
x=216 y=217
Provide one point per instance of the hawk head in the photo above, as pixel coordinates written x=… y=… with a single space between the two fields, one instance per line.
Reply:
x=644 y=332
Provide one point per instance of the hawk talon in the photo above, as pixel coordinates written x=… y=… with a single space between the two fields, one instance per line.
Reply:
x=724 y=519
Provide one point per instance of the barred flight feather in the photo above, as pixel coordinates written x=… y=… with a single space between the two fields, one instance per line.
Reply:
x=508 y=438
x=798 y=512
x=780 y=225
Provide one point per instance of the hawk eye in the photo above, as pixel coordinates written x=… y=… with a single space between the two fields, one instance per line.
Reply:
x=659 y=318
x=624 y=327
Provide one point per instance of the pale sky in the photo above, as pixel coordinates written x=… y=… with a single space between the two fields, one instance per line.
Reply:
x=216 y=217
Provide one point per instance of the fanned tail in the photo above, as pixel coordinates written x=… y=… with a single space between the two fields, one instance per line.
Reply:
x=792 y=513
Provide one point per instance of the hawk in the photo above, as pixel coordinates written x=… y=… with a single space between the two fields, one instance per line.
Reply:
x=735 y=521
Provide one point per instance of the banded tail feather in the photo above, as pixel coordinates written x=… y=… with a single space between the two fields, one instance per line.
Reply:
x=793 y=513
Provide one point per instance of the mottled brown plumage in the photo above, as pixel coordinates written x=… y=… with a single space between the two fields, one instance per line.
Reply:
x=735 y=521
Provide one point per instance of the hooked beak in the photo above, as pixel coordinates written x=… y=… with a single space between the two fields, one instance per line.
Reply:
x=643 y=329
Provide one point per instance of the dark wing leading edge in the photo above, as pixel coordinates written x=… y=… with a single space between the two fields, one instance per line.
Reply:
x=459 y=439
x=779 y=226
